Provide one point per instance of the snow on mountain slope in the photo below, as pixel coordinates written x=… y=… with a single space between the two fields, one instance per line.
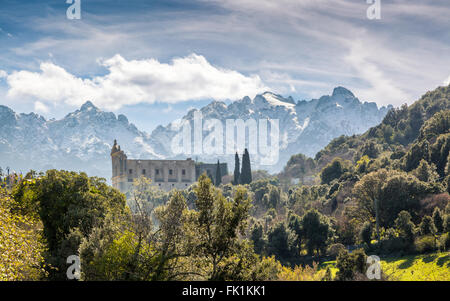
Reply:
x=82 y=140
x=305 y=126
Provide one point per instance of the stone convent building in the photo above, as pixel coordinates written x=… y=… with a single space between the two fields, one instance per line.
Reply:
x=165 y=174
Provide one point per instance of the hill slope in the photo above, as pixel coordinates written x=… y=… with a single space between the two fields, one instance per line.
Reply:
x=408 y=134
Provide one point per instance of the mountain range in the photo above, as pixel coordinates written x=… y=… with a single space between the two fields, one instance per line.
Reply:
x=82 y=140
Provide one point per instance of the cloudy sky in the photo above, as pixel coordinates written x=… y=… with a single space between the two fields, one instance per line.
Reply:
x=152 y=60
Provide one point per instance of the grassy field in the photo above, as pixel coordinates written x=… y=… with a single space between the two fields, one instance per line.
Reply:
x=429 y=267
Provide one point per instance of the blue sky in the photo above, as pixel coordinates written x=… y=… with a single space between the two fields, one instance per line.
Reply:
x=153 y=60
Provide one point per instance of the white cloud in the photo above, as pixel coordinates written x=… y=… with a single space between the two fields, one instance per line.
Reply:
x=289 y=43
x=382 y=88
x=447 y=81
x=134 y=81
x=40 y=107
x=3 y=74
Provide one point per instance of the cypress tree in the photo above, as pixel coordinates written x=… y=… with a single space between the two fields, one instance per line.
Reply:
x=246 y=172
x=236 y=169
x=218 y=174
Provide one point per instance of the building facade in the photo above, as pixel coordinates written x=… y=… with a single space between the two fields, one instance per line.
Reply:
x=210 y=170
x=165 y=174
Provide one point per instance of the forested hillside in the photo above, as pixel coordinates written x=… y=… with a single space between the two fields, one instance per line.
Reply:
x=398 y=133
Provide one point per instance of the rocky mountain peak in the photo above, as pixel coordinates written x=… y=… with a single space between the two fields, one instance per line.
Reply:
x=341 y=91
x=122 y=119
x=275 y=100
x=87 y=106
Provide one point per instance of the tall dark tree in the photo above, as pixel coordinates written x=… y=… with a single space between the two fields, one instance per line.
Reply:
x=316 y=230
x=365 y=234
x=427 y=227
x=246 y=171
x=282 y=242
x=405 y=227
x=257 y=236
x=218 y=174
x=237 y=174
x=438 y=220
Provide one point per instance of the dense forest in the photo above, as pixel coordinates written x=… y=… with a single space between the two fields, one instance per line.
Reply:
x=385 y=192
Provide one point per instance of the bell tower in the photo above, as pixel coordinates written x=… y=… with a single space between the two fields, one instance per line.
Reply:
x=119 y=166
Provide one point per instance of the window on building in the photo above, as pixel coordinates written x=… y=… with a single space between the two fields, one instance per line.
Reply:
x=143 y=171
x=183 y=172
x=131 y=171
x=157 y=171
x=170 y=171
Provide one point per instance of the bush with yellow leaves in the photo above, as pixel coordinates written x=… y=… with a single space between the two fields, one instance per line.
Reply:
x=21 y=245
x=299 y=273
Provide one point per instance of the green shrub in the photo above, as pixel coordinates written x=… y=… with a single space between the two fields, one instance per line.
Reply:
x=426 y=244
x=445 y=242
x=350 y=265
x=334 y=250
x=334 y=170
x=365 y=234
x=394 y=245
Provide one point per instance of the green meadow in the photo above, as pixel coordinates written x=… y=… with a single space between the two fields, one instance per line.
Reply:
x=426 y=267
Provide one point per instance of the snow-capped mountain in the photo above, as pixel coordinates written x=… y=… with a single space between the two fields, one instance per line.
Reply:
x=82 y=140
x=304 y=126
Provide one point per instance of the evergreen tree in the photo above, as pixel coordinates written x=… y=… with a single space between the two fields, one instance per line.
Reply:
x=365 y=234
x=257 y=236
x=446 y=223
x=405 y=226
x=438 y=220
x=426 y=172
x=246 y=172
x=316 y=230
x=218 y=174
x=427 y=226
x=236 y=169
x=282 y=242
x=334 y=170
